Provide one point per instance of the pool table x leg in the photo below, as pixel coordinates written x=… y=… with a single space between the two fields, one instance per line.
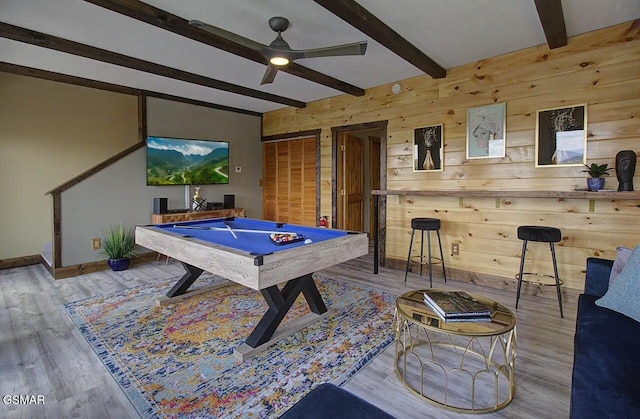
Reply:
x=280 y=301
x=186 y=281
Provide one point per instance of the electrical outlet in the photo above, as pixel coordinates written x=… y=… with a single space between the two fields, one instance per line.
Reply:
x=96 y=244
x=455 y=249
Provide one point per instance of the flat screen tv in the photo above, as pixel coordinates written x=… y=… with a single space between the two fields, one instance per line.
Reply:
x=179 y=161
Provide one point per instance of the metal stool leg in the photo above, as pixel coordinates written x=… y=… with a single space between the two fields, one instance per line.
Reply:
x=522 y=256
x=444 y=272
x=555 y=272
x=421 y=249
x=430 y=264
x=406 y=271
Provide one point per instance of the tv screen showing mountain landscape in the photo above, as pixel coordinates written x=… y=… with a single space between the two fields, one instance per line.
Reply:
x=174 y=161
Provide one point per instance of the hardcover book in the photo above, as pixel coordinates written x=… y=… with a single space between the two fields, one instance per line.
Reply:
x=456 y=306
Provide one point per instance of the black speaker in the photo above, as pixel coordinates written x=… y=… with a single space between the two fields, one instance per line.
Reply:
x=229 y=201
x=160 y=206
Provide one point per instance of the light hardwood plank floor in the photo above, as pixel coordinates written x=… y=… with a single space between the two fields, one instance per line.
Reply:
x=42 y=352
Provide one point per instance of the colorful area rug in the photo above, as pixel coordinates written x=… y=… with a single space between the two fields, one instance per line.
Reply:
x=178 y=360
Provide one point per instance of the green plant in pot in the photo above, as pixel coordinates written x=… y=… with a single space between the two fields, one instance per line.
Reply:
x=597 y=173
x=118 y=244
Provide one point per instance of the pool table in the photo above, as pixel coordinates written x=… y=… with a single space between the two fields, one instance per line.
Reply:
x=241 y=250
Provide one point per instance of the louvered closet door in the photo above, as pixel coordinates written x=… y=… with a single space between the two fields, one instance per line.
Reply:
x=289 y=181
x=269 y=189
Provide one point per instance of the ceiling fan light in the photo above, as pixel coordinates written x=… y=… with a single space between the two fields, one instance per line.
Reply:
x=279 y=60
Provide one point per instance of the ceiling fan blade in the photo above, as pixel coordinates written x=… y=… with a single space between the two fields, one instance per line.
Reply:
x=270 y=74
x=233 y=37
x=356 y=48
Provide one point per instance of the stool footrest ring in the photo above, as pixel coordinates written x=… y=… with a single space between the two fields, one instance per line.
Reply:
x=537 y=282
x=417 y=259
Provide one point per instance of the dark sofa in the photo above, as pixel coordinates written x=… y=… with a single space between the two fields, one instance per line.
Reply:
x=606 y=363
x=328 y=401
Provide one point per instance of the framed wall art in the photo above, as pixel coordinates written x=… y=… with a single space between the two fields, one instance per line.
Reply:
x=486 y=131
x=427 y=149
x=561 y=136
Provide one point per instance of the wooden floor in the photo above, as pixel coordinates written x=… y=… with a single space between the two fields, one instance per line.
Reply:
x=42 y=352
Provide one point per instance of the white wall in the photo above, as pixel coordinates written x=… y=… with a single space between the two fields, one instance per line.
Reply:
x=243 y=132
x=117 y=194
x=49 y=133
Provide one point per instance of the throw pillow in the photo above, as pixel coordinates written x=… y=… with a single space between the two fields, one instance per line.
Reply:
x=623 y=294
x=622 y=256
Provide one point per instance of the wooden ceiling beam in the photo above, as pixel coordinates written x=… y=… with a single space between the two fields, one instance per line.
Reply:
x=552 y=19
x=21 y=70
x=37 y=73
x=167 y=21
x=43 y=40
x=361 y=19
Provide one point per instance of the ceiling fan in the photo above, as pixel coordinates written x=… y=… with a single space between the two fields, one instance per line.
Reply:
x=278 y=52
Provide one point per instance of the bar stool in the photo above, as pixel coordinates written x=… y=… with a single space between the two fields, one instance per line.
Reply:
x=542 y=234
x=429 y=225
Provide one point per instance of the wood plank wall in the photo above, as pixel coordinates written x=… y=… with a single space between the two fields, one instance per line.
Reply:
x=601 y=69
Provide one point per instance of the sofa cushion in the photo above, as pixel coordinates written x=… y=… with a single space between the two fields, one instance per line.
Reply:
x=606 y=363
x=597 y=276
x=622 y=295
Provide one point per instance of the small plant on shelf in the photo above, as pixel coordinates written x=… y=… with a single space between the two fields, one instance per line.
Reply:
x=596 y=172
x=118 y=244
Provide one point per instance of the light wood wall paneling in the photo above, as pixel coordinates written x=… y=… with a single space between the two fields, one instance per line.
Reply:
x=486 y=232
x=600 y=69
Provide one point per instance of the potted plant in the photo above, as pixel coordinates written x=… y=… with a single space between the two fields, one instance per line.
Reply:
x=597 y=173
x=118 y=244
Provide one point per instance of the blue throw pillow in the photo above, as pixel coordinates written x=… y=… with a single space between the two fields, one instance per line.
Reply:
x=623 y=294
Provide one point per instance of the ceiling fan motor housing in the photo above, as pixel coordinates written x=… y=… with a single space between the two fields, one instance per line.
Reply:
x=279 y=52
x=279 y=23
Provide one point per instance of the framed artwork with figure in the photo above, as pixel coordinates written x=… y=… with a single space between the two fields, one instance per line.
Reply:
x=486 y=131
x=428 y=153
x=561 y=136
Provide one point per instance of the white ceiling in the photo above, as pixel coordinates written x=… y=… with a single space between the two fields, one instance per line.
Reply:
x=451 y=32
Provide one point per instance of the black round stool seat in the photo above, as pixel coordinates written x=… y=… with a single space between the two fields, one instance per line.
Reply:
x=429 y=224
x=539 y=234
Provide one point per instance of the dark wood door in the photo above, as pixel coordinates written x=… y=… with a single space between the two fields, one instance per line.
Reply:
x=351 y=183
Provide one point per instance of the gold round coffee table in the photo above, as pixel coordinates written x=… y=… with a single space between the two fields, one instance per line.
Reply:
x=464 y=366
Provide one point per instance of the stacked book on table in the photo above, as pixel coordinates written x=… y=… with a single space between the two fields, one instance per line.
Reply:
x=456 y=306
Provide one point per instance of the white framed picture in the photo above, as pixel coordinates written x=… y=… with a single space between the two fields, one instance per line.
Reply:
x=486 y=131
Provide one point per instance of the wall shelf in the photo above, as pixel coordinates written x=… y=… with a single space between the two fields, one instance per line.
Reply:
x=513 y=194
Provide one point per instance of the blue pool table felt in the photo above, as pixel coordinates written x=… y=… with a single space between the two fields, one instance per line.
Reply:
x=253 y=243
